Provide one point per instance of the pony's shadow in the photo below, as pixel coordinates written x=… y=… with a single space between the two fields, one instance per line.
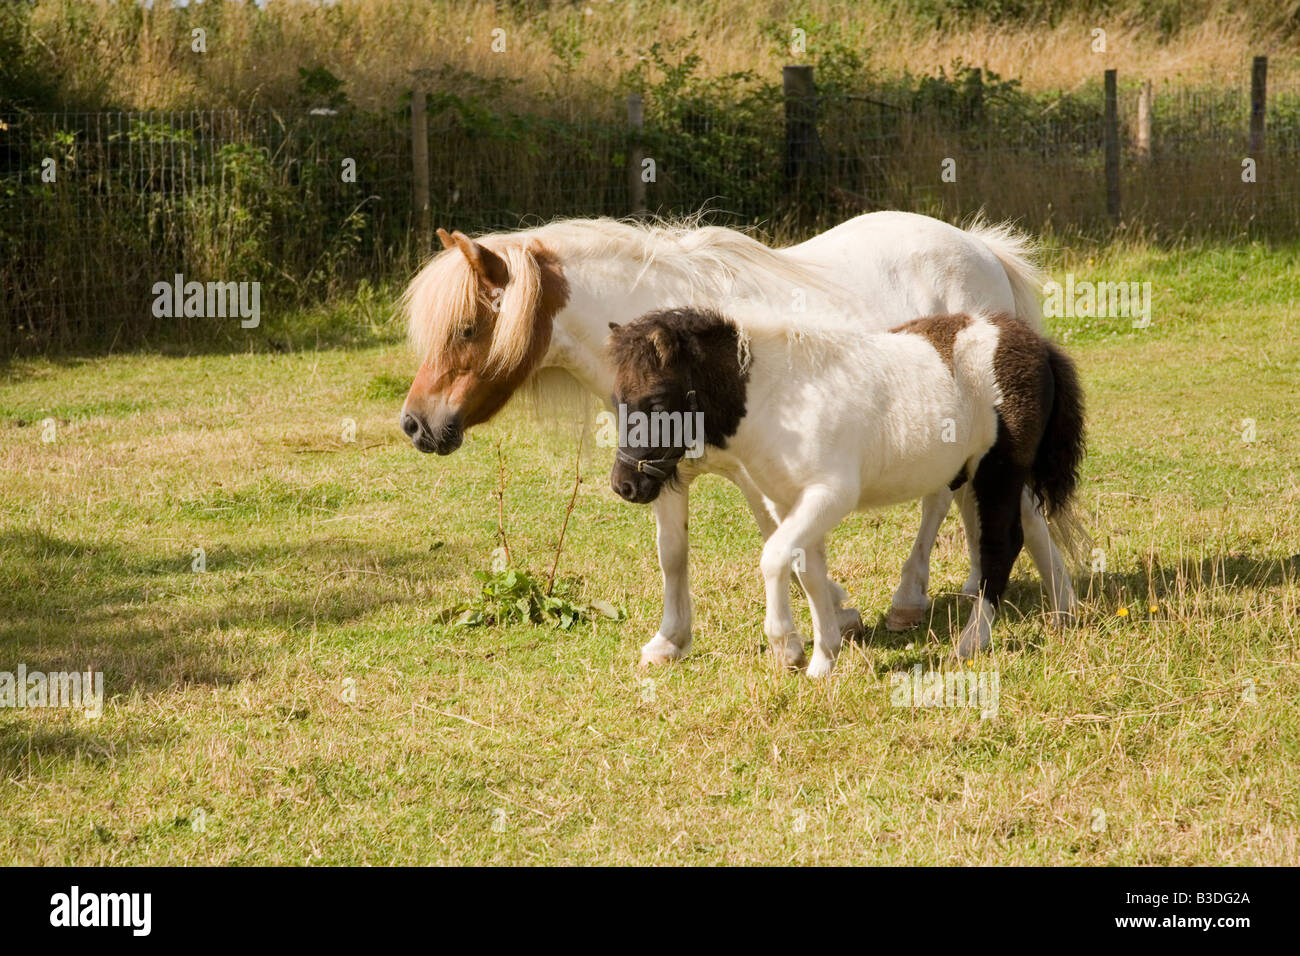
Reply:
x=1025 y=598
x=93 y=604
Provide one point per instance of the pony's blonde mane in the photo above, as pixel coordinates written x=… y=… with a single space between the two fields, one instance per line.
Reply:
x=445 y=296
x=716 y=266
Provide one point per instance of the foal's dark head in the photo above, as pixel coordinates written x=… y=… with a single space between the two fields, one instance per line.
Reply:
x=678 y=385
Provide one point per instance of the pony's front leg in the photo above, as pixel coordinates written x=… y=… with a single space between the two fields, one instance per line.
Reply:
x=798 y=539
x=766 y=514
x=908 y=607
x=828 y=636
x=673 y=638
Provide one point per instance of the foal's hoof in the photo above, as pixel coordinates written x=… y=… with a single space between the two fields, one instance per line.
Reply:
x=820 y=667
x=904 y=618
x=660 y=650
x=971 y=642
x=851 y=627
x=790 y=655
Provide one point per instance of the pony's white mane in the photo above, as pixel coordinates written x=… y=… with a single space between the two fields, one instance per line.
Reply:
x=715 y=265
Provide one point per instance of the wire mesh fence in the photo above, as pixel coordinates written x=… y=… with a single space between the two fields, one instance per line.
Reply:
x=96 y=209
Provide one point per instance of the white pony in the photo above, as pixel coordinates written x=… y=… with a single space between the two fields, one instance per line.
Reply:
x=489 y=315
x=827 y=421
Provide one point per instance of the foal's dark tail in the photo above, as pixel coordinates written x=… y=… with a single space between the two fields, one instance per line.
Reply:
x=1055 y=471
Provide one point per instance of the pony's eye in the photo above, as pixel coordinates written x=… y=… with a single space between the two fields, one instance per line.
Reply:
x=468 y=332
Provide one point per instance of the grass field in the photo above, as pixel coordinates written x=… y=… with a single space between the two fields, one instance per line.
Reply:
x=307 y=695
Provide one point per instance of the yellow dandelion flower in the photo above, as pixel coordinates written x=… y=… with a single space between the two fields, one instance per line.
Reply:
x=1122 y=612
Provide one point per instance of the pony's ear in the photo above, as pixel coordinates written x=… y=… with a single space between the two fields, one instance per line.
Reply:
x=489 y=266
x=614 y=326
x=664 y=345
x=445 y=238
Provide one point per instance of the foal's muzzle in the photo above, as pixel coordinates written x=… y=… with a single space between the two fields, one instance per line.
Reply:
x=442 y=439
x=640 y=480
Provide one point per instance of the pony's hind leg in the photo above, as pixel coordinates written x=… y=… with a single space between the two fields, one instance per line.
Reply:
x=909 y=604
x=673 y=639
x=996 y=488
x=1047 y=558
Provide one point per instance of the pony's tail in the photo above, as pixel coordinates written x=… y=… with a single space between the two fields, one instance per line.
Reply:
x=1055 y=471
x=1018 y=255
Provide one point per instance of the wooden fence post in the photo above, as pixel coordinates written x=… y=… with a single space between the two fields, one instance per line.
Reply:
x=800 y=120
x=420 y=169
x=1144 y=122
x=1258 y=96
x=1111 y=139
x=635 y=154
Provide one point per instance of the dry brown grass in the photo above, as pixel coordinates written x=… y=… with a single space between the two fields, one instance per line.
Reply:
x=373 y=45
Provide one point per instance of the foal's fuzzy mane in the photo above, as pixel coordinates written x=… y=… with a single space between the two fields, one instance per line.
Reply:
x=713 y=263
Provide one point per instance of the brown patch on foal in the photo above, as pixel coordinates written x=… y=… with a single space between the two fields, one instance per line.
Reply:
x=939 y=330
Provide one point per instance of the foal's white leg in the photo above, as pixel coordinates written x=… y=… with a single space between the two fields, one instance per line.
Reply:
x=766 y=516
x=803 y=529
x=978 y=632
x=674 y=636
x=1047 y=558
x=970 y=519
x=908 y=607
x=827 y=634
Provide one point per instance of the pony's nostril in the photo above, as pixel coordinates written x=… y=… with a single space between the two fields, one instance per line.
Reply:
x=626 y=490
x=410 y=425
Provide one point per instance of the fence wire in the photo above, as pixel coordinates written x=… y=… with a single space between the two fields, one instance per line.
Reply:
x=96 y=208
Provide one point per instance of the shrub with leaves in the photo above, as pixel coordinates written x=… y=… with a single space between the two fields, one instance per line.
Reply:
x=513 y=596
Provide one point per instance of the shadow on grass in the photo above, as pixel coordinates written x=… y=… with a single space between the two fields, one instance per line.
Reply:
x=25 y=747
x=1025 y=598
x=139 y=618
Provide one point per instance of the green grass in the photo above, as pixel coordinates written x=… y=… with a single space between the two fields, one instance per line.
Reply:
x=307 y=693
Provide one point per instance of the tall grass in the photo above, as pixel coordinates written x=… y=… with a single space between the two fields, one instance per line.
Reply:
x=90 y=54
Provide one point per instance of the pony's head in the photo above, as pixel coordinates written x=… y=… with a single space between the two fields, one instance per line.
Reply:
x=679 y=383
x=480 y=315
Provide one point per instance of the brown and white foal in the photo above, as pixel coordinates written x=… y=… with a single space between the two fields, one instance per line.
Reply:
x=827 y=421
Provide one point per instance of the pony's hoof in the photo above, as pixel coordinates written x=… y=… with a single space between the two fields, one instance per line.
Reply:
x=971 y=642
x=820 y=667
x=660 y=650
x=1060 y=620
x=904 y=618
x=851 y=627
x=791 y=655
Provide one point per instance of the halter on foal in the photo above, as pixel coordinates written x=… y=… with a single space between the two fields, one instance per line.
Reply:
x=827 y=421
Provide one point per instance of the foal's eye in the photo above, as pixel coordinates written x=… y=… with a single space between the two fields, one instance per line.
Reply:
x=468 y=332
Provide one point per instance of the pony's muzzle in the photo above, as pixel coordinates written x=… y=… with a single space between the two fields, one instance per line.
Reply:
x=634 y=486
x=442 y=439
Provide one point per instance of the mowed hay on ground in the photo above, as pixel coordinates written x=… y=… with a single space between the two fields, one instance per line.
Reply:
x=305 y=700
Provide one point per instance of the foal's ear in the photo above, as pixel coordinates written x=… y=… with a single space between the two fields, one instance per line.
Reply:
x=445 y=238
x=664 y=345
x=489 y=266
